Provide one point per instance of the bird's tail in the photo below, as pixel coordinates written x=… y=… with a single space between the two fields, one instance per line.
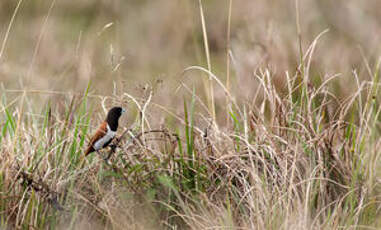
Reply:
x=89 y=150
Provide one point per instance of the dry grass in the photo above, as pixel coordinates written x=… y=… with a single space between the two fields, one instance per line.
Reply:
x=246 y=116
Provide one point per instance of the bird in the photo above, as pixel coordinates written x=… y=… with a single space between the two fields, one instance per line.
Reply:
x=106 y=131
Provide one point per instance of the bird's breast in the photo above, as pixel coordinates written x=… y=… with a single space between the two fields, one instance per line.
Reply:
x=106 y=138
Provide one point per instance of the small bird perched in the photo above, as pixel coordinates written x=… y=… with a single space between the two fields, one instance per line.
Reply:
x=106 y=131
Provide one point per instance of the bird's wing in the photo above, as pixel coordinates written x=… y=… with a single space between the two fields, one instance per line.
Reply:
x=101 y=131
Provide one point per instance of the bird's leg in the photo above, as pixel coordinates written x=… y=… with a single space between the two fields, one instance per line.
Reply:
x=113 y=147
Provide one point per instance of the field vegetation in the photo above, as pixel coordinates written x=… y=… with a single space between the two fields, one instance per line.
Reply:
x=240 y=114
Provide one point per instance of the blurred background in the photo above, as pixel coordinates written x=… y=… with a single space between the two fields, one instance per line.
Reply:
x=62 y=45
